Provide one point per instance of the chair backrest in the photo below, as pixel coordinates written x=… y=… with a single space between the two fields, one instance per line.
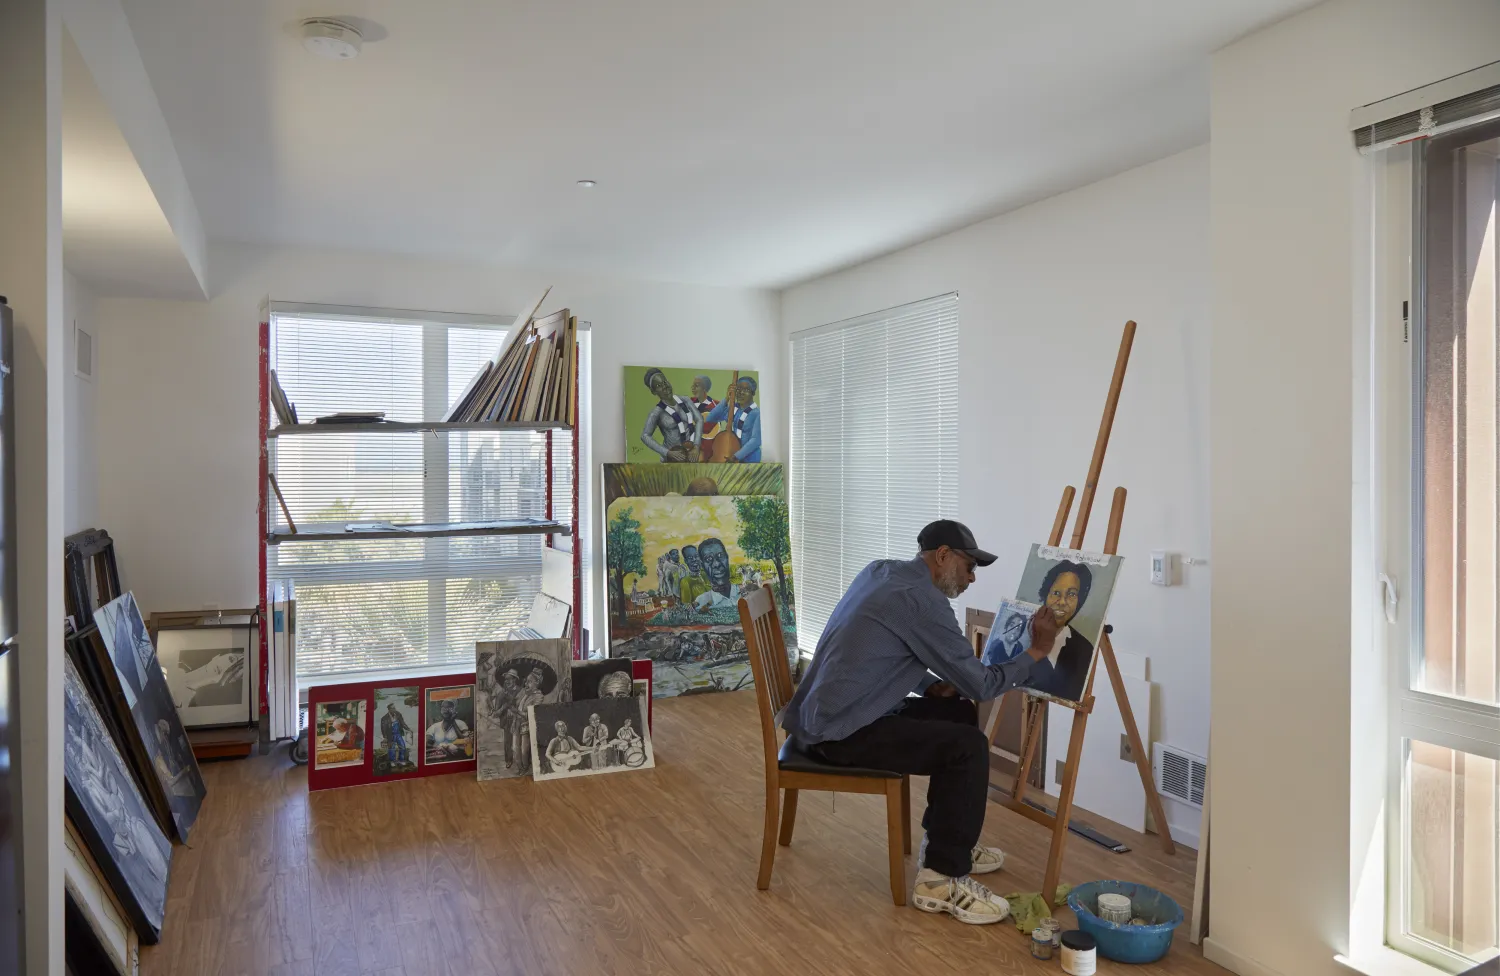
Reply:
x=773 y=676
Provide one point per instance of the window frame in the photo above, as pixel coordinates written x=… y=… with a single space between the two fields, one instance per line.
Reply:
x=1399 y=374
x=434 y=329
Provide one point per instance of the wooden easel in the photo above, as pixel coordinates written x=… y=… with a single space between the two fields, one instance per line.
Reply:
x=1034 y=706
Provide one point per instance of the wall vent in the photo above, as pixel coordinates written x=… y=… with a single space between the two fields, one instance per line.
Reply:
x=1180 y=775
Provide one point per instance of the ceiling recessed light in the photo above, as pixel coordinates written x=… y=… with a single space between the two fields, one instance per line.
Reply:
x=332 y=39
x=586 y=184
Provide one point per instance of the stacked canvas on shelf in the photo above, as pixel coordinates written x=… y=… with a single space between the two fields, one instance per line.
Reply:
x=286 y=411
x=531 y=379
x=282 y=705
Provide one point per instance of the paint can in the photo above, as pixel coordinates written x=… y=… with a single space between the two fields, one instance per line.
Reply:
x=1041 y=943
x=1114 y=908
x=1080 y=955
x=1054 y=930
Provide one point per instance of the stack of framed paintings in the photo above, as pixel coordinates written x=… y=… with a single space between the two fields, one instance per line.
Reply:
x=682 y=542
x=125 y=668
x=590 y=737
x=512 y=676
x=99 y=937
x=374 y=732
x=212 y=664
x=109 y=813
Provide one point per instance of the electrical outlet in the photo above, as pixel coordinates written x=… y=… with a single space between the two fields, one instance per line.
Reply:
x=1127 y=754
x=1062 y=768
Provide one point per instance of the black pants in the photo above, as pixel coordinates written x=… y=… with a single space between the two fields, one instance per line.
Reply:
x=938 y=738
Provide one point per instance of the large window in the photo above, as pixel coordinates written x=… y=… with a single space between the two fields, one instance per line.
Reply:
x=405 y=604
x=1443 y=865
x=874 y=445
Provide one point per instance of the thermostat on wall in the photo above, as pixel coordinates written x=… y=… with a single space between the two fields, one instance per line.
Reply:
x=1163 y=567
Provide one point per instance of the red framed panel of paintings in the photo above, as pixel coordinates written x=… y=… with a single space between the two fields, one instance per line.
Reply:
x=391 y=740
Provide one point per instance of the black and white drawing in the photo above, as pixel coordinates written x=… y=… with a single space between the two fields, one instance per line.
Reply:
x=109 y=812
x=208 y=671
x=588 y=738
x=511 y=677
x=609 y=678
x=153 y=713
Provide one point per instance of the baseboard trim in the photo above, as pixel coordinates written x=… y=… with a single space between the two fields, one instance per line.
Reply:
x=1216 y=952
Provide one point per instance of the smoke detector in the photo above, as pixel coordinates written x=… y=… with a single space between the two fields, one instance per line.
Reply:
x=332 y=39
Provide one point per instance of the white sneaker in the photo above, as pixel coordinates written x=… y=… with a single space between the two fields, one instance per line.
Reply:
x=964 y=898
x=986 y=859
x=983 y=859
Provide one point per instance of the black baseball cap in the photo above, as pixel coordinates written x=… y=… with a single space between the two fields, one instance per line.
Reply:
x=954 y=535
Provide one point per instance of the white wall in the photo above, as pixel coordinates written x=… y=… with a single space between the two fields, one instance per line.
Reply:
x=81 y=463
x=177 y=391
x=1043 y=293
x=1290 y=217
x=31 y=270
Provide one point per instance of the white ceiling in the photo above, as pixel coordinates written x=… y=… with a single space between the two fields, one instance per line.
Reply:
x=115 y=236
x=737 y=143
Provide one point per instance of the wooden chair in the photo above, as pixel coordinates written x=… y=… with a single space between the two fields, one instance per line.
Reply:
x=791 y=769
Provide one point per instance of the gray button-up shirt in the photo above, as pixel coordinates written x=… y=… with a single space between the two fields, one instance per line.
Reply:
x=889 y=630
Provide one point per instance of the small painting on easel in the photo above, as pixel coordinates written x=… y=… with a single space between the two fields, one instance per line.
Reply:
x=1076 y=587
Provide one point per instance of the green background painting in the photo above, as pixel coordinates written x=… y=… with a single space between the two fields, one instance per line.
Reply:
x=639 y=400
x=651 y=509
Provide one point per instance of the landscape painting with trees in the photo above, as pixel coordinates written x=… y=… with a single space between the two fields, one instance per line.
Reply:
x=682 y=542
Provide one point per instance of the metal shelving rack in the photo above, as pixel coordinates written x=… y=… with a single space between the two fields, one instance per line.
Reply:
x=547 y=526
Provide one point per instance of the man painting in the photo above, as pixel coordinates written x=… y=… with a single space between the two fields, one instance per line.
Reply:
x=694 y=583
x=563 y=752
x=393 y=731
x=448 y=737
x=705 y=405
x=743 y=418
x=894 y=633
x=675 y=418
x=722 y=592
x=596 y=740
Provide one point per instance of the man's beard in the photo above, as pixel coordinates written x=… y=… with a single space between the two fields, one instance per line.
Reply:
x=952 y=583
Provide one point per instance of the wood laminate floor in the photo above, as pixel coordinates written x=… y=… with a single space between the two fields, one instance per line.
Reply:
x=635 y=873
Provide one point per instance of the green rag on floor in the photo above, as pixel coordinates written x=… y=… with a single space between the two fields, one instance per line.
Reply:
x=1028 y=909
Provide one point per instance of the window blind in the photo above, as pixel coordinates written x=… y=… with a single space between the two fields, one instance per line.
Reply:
x=874 y=445
x=402 y=604
x=1462 y=100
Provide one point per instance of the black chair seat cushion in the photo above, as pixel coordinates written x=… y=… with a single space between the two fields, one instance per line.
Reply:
x=794 y=759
